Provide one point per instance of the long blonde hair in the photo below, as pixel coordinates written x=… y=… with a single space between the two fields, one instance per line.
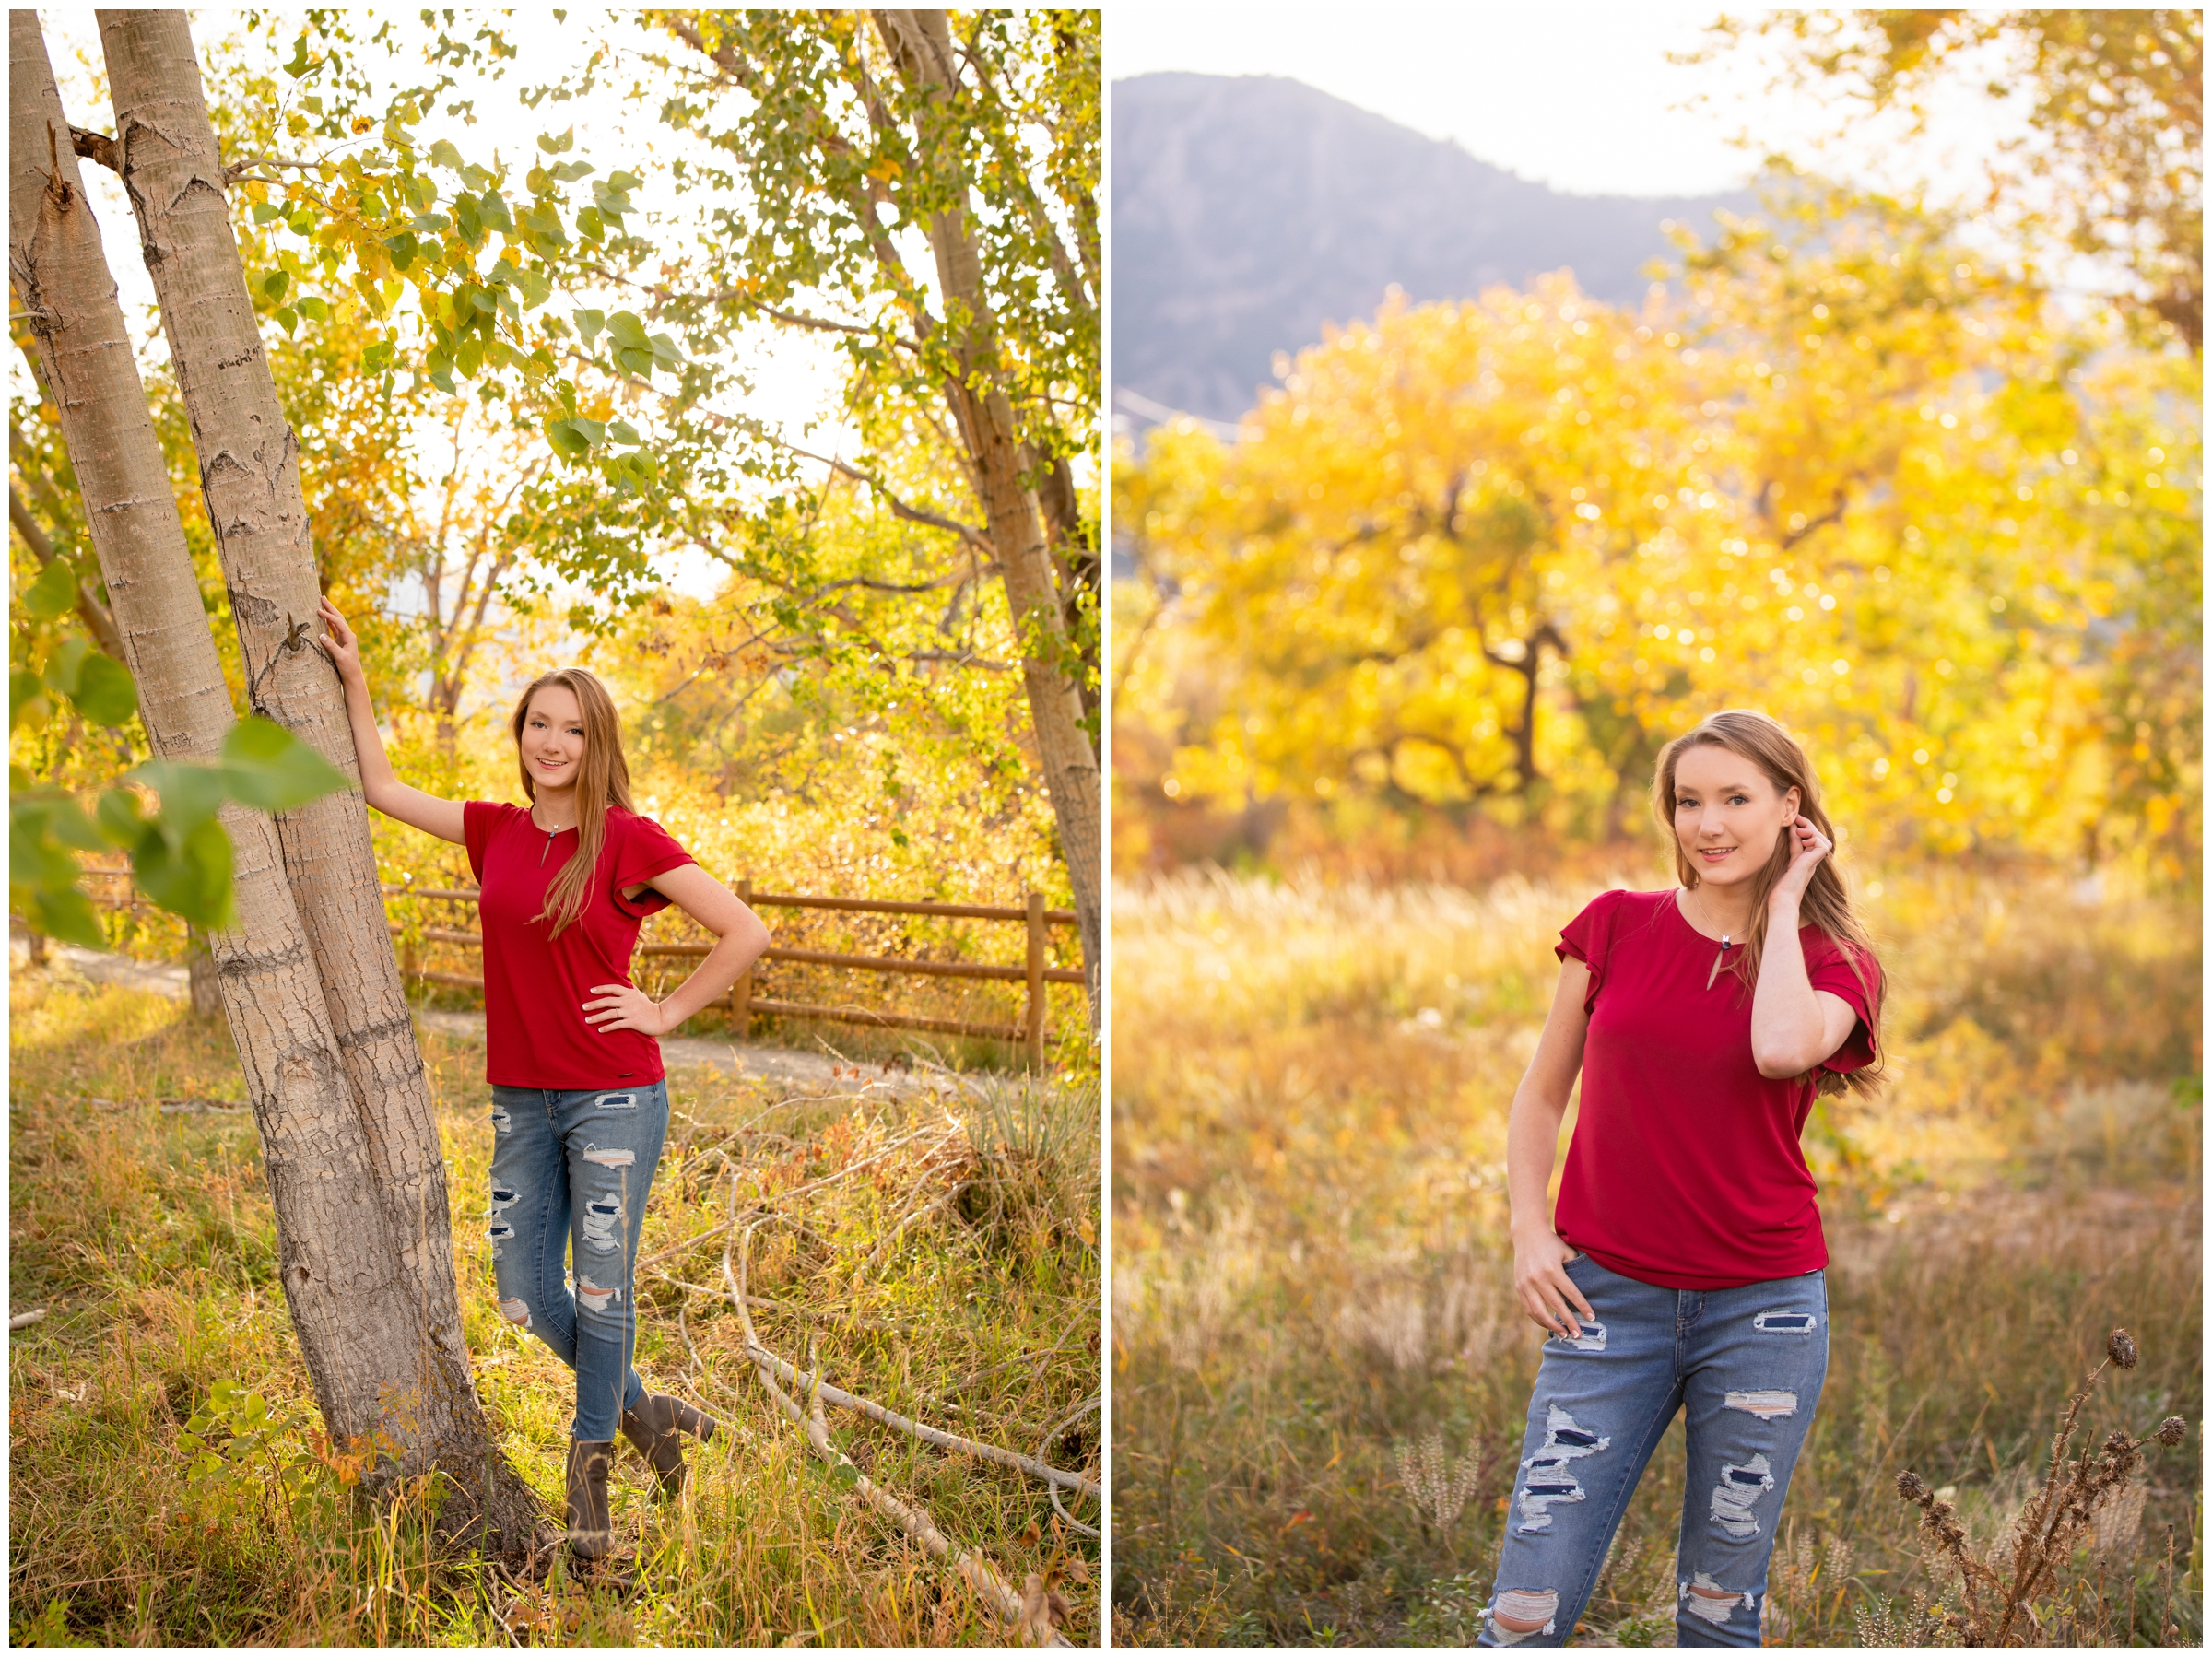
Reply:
x=601 y=781
x=1827 y=904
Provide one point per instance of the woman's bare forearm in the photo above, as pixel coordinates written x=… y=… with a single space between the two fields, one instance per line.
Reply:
x=377 y=775
x=1532 y=1143
x=1787 y=1023
x=732 y=956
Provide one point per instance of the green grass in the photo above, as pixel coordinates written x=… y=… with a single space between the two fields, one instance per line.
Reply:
x=1310 y=1092
x=152 y=1501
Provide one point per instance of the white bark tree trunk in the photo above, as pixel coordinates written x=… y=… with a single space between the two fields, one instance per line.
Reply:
x=920 y=43
x=352 y=1258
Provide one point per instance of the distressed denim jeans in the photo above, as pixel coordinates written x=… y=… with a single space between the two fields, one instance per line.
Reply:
x=1746 y=1364
x=569 y=1174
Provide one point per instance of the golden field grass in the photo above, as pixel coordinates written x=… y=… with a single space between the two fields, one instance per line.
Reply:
x=1311 y=1085
x=148 y=1237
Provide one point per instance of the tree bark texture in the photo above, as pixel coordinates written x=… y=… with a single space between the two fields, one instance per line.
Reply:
x=352 y=1258
x=335 y=1261
x=921 y=44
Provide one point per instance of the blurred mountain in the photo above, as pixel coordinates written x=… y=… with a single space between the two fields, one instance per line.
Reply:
x=1249 y=210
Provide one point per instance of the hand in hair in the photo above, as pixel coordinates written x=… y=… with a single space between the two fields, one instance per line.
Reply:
x=1809 y=846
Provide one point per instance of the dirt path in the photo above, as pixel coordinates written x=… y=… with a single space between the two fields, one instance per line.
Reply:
x=785 y=1065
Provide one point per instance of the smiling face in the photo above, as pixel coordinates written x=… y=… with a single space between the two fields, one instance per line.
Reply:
x=1727 y=816
x=551 y=739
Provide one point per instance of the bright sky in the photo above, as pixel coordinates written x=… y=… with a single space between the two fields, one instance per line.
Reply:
x=1578 y=97
x=796 y=382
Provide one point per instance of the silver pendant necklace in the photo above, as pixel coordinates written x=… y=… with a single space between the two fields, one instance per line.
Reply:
x=1715 y=971
x=545 y=850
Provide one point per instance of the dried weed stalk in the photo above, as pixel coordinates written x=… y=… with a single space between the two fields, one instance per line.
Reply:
x=1437 y=1487
x=2000 y=1591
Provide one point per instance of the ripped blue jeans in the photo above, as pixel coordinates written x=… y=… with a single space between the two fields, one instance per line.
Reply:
x=1746 y=1364
x=569 y=1174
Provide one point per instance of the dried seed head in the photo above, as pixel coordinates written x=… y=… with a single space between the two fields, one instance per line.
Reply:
x=2121 y=1349
x=2172 y=1431
x=1912 y=1487
x=1940 y=1509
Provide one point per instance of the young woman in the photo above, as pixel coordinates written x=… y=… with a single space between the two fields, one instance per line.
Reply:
x=579 y=1102
x=1684 y=1266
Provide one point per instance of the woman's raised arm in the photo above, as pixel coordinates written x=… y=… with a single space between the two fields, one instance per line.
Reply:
x=379 y=786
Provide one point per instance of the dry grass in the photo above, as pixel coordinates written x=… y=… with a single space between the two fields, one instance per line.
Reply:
x=1309 y=1096
x=149 y=1235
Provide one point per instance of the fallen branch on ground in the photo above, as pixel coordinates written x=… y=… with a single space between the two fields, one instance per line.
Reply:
x=720 y=1226
x=794 y=1376
x=971 y=1567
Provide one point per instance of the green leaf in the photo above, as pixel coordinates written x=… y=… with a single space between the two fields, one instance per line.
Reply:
x=104 y=694
x=665 y=351
x=275 y=284
x=287 y=318
x=590 y=224
x=121 y=822
x=314 y=310
x=265 y=765
x=444 y=154
x=637 y=362
x=63 y=664
x=491 y=208
x=561 y=146
x=266 y=211
x=538 y=287
x=191 y=792
x=567 y=442
x=465 y=216
x=26 y=698
x=622 y=431
x=422 y=194
x=66 y=913
x=189 y=874
x=568 y=172
x=302 y=223
x=439 y=369
x=588 y=324
x=625 y=329
x=402 y=248
x=55 y=593
x=431 y=224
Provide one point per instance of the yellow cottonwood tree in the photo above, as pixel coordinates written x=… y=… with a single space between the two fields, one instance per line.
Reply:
x=1489 y=556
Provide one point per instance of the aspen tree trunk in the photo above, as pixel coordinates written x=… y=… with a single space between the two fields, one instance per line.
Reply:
x=337 y=1263
x=171 y=168
x=358 y=1310
x=921 y=44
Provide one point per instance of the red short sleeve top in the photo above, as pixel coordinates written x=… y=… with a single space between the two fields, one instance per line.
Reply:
x=1684 y=1169
x=535 y=984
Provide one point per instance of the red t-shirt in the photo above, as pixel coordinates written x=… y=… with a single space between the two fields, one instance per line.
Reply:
x=1684 y=1169
x=535 y=984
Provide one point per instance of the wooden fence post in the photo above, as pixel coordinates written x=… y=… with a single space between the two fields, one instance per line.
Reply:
x=741 y=993
x=1035 y=1012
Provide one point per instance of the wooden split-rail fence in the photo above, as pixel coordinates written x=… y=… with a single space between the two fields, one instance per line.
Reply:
x=1035 y=972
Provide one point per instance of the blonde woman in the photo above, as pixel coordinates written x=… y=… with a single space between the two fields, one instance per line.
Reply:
x=580 y=1100
x=1684 y=1269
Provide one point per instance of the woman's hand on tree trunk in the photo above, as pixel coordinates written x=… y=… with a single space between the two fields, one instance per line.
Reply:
x=344 y=649
x=1546 y=1293
x=620 y=1007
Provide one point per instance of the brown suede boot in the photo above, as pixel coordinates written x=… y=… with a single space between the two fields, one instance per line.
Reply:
x=591 y=1521
x=657 y=1426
